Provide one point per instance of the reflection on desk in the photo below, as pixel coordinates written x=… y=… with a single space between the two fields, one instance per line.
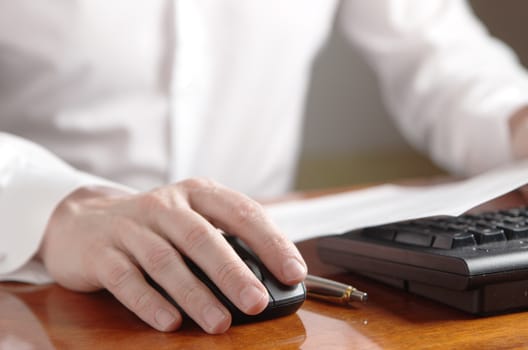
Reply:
x=50 y=317
x=19 y=327
x=53 y=317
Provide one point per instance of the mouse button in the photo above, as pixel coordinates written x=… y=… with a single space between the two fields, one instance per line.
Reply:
x=254 y=268
x=276 y=289
x=281 y=293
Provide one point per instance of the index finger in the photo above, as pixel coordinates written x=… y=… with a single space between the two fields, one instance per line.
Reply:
x=243 y=217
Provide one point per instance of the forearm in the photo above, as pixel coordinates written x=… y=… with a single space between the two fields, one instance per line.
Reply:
x=450 y=86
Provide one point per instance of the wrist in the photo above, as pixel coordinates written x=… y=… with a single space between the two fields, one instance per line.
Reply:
x=518 y=124
x=95 y=191
x=70 y=205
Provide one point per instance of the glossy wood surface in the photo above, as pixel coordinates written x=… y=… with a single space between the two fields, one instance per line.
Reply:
x=50 y=317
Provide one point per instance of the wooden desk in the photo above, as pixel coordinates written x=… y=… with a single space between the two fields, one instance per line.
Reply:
x=50 y=317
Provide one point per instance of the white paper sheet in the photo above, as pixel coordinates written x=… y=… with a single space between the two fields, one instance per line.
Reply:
x=303 y=219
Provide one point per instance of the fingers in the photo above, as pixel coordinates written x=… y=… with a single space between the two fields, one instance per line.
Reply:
x=165 y=265
x=117 y=274
x=204 y=244
x=241 y=216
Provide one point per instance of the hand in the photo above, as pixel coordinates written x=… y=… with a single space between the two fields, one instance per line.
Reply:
x=518 y=125
x=524 y=193
x=99 y=238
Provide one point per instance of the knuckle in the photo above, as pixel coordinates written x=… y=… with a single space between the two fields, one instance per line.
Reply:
x=277 y=244
x=230 y=271
x=195 y=237
x=118 y=274
x=200 y=183
x=158 y=259
x=190 y=294
x=120 y=227
x=94 y=253
x=151 y=202
x=248 y=212
x=141 y=301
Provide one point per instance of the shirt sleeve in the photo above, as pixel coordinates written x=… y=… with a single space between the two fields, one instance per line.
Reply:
x=32 y=182
x=450 y=86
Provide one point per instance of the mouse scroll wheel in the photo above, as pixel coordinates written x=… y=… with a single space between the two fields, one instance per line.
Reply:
x=254 y=267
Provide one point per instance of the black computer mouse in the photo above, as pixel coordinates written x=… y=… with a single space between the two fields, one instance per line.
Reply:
x=284 y=299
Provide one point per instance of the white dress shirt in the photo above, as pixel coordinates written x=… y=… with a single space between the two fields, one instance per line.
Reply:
x=143 y=93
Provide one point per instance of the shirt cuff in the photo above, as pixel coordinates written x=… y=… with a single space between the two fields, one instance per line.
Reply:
x=32 y=183
x=32 y=272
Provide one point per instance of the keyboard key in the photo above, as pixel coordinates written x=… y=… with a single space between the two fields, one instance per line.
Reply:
x=494 y=216
x=451 y=240
x=458 y=227
x=485 y=234
x=445 y=232
x=514 y=231
x=515 y=220
x=432 y=224
x=514 y=212
x=414 y=238
x=385 y=233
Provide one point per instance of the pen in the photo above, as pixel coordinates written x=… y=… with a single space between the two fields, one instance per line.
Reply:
x=332 y=291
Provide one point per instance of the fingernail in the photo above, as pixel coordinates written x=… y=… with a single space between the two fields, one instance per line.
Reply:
x=213 y=317
x=293 y=270
x=250 y=297
x=164 y=318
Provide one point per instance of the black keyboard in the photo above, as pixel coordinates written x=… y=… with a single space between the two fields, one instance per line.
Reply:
x=474 y=262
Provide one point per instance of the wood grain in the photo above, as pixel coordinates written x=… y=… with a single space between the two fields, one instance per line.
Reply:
x=50 y=317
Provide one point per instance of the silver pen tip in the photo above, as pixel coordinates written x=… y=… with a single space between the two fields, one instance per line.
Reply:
x=359 y=295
